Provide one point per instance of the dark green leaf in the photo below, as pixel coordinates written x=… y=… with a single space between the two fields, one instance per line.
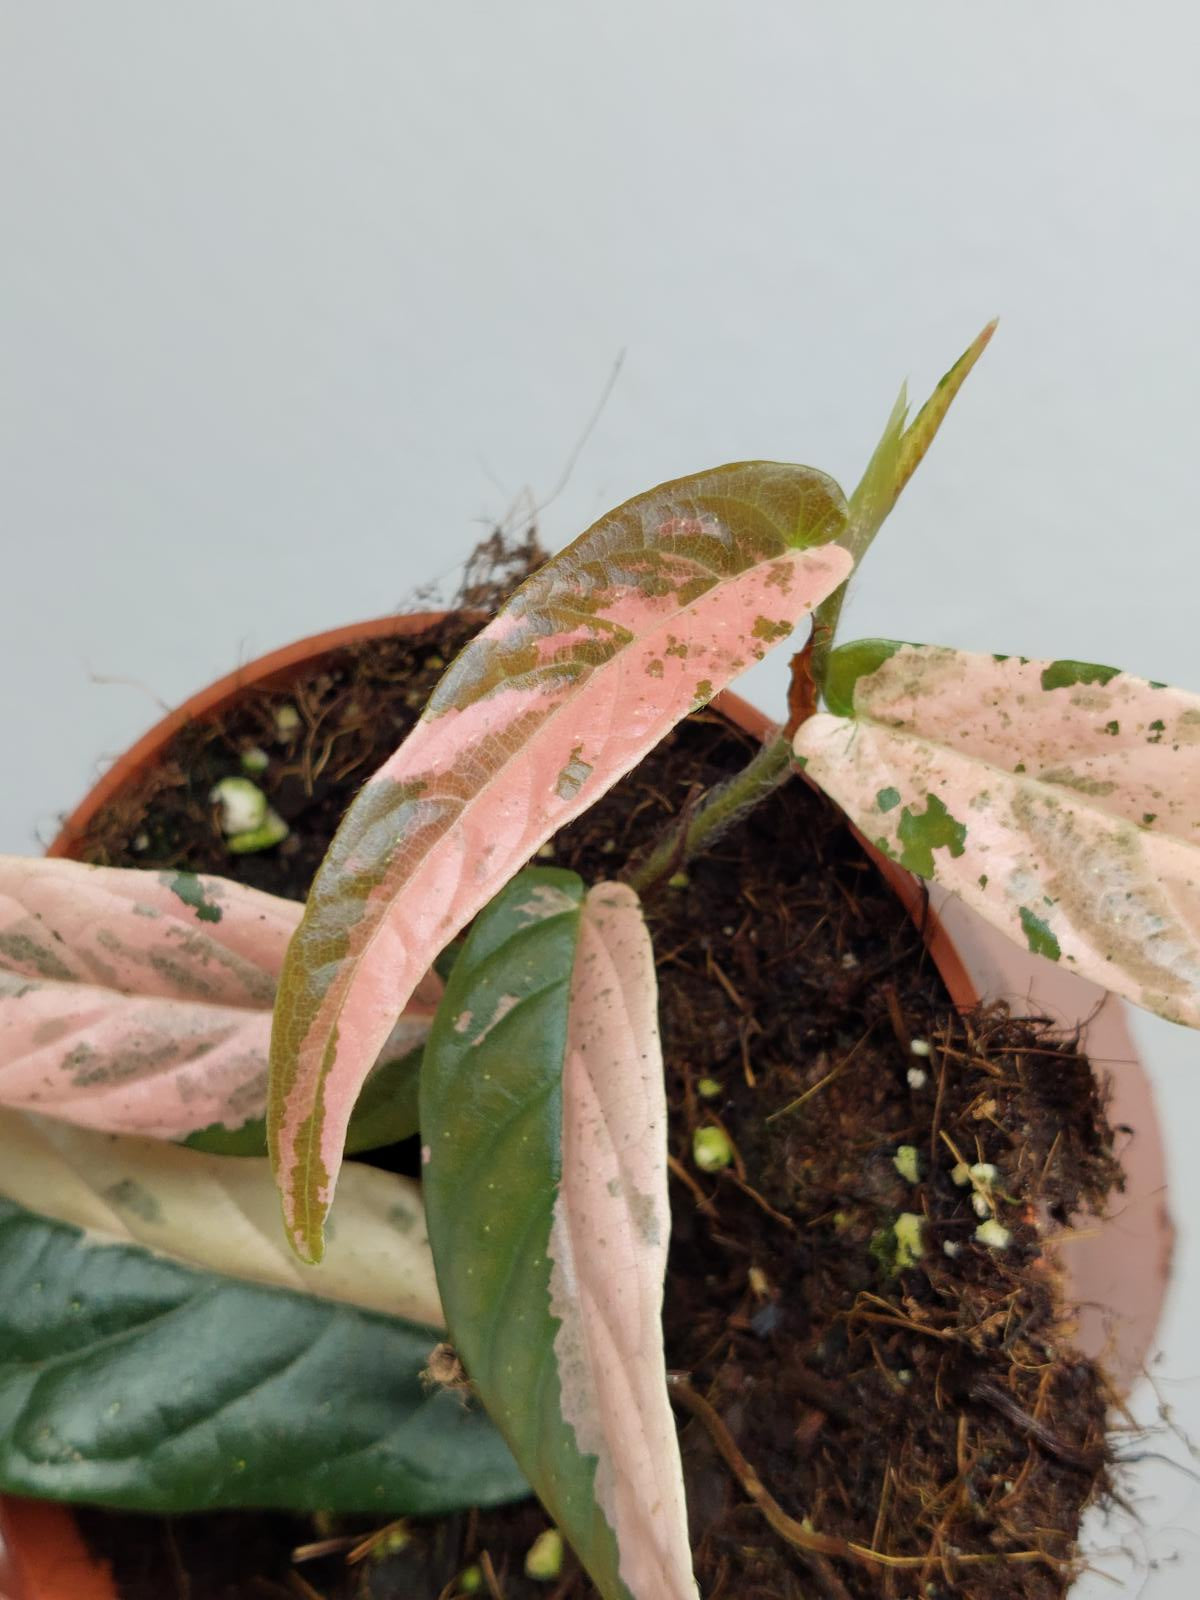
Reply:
x=130 y=1380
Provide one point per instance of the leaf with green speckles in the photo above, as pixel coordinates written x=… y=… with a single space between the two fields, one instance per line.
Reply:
x=594 y=659
x=140 y=1002
x=162 y=1350
x=922 y=832
x=771 y=631
x=1067 y=674
x=1039 y=935
x=191 y=890
x=848 y=664
x=544 y=1111
x=1085 y=800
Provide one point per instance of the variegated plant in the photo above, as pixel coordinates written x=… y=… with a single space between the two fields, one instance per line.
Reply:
x=1057 y=798
x=541 y=1110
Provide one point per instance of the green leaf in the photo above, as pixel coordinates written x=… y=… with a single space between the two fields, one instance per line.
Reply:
x=217 y=1140
x=879 y=485
x=162 y=1348
x=538 y=1097
x=388 y=1109
x=130 y=1380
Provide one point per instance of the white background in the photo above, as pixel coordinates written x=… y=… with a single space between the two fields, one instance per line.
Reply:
x=293 y=297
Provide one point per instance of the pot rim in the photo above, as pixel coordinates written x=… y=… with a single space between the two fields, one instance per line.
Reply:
x=43 y=1555
x=280 y=664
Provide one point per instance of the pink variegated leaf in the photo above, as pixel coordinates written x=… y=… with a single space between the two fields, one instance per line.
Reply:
x=174 y=935
x=140 y=1002
x=608 y=1247
x=1060 y=799
x=596 y=657
x=543 y=1108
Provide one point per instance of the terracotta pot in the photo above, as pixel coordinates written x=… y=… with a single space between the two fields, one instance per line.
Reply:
x=1117 y=1272
x=273 y=671
x=42 y=1556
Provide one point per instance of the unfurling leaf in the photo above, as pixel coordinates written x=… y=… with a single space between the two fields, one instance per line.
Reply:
x=896 y=457
x=595 y=658
x=162 y=1349
x=902 y=449
x=1060 y=799
x=544 y=1111
x=140 y=1002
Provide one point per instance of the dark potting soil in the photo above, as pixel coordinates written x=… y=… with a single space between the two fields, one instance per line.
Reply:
x=934 y=1413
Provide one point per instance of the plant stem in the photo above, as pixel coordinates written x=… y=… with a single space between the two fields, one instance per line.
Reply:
x=825 y=624
x=717 y=812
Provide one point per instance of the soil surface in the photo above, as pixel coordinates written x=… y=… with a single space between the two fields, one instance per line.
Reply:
x=924 y=1405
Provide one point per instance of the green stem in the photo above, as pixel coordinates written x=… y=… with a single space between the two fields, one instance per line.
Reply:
x=716 y=813
x=825 y=621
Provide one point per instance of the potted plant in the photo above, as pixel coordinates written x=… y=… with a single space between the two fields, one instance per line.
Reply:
x=863 y=1284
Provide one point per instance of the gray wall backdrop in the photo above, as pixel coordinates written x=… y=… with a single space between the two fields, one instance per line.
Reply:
x=294 y=296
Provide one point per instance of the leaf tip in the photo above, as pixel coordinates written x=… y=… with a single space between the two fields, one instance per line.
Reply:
x=307 y=1240
x=924 y=428
x=302 y=1196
